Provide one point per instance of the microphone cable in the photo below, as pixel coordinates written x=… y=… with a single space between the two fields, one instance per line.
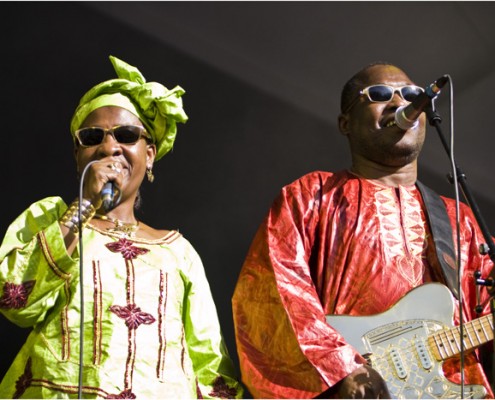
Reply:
x=458 y=233
x=81 y=281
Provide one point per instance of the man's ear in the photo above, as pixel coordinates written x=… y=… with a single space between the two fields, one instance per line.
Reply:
x=343 y=120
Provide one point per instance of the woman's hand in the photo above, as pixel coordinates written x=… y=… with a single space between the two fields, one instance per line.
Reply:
x=97 y=176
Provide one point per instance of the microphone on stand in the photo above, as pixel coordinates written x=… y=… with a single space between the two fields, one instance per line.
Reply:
x=406 y=117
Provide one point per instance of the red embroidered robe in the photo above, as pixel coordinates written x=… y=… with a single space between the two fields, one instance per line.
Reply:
x=337 y=244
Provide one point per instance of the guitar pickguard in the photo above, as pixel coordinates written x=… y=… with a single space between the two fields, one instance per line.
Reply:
x=399 y=352
x=396 y=343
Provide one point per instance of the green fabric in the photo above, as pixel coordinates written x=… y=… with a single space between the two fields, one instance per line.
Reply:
x=158 y=108
x=177 y=348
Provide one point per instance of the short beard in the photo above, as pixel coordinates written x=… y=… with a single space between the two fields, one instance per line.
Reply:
x=400 y=157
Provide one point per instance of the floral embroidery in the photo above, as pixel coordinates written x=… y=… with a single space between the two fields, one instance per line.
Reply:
x=126 y=247
x=133 y=315
x=126 y=394
x=199 y=395
x=24 y=380
x=222 y=390
x=15 y=296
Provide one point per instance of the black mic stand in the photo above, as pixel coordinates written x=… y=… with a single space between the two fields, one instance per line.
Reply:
x=488 y=247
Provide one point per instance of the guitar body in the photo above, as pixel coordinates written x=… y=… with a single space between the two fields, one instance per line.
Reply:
x=396 y=343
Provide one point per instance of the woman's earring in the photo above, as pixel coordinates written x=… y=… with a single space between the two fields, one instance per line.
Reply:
x=149 y=174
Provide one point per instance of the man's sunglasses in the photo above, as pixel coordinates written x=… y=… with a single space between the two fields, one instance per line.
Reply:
x=384 y=93
x=124 y=134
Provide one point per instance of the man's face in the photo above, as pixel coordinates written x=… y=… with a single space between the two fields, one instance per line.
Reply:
x=365 y=123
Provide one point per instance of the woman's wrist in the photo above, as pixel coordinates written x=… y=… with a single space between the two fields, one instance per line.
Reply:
x=70 y=219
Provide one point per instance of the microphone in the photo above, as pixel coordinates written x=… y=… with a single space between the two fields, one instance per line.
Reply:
x=406 y=117
x=107 y=195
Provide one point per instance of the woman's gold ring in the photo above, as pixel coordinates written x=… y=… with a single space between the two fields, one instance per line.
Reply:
x=114 y=167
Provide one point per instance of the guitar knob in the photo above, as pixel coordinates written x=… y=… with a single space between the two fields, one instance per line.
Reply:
x=409 y=392
x=437 y=388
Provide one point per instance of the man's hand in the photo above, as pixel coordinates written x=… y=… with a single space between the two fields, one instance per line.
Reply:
x=363 y=383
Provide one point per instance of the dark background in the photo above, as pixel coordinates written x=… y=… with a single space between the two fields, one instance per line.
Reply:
x=262 y=83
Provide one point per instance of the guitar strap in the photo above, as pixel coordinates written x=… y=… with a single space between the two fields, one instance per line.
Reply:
x=442 y=235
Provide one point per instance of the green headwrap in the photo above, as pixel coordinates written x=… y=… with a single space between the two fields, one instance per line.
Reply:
x=158 y=108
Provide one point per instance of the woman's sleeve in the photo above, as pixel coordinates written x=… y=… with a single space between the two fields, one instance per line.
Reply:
x=286 y=348
x=34 y=264
x=212 y=364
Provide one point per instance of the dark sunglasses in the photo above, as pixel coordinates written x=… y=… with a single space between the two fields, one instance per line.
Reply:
x=124 y=134
x=384 y=93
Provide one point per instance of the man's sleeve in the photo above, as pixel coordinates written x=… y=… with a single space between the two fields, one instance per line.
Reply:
x=286 y=348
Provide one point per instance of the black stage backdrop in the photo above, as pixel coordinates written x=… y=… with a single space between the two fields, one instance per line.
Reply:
x=240 y=146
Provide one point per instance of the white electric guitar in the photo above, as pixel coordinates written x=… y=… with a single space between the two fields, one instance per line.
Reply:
x=408 y=343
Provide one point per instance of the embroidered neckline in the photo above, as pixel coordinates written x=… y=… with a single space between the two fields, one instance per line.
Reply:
x=171 y=236
x=403 y=230
x=377 y=183
x=128 y=229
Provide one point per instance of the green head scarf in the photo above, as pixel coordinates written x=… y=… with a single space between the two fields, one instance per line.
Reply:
x=158 y=108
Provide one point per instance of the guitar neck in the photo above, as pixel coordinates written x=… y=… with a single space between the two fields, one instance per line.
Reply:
x=447 y=343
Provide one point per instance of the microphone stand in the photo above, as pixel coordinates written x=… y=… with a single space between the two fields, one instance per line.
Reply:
x=488 y=247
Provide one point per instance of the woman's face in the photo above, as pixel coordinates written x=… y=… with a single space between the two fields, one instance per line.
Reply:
x=133 y=158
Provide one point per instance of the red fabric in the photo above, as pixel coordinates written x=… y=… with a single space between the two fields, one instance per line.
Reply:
x=335 y=244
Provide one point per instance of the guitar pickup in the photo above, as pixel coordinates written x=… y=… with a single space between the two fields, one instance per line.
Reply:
x=423 y=355
x=398 y=363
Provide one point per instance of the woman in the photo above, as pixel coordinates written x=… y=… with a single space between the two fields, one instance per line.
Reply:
x=150 y=326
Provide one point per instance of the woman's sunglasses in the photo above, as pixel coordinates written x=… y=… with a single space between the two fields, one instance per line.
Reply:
x=124 y=134
x=384 y=93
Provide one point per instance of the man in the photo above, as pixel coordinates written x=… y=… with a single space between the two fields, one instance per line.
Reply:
x=354 y=243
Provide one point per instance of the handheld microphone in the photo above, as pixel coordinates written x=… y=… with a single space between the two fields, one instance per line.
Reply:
x=406 y=117
x=107 y=196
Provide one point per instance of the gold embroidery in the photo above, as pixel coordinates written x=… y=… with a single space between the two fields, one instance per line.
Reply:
x=64 y=313
x=402 y=228
x=97 y=313
x=162 y=306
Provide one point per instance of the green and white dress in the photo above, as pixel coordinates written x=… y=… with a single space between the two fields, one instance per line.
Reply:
x=150 y=324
